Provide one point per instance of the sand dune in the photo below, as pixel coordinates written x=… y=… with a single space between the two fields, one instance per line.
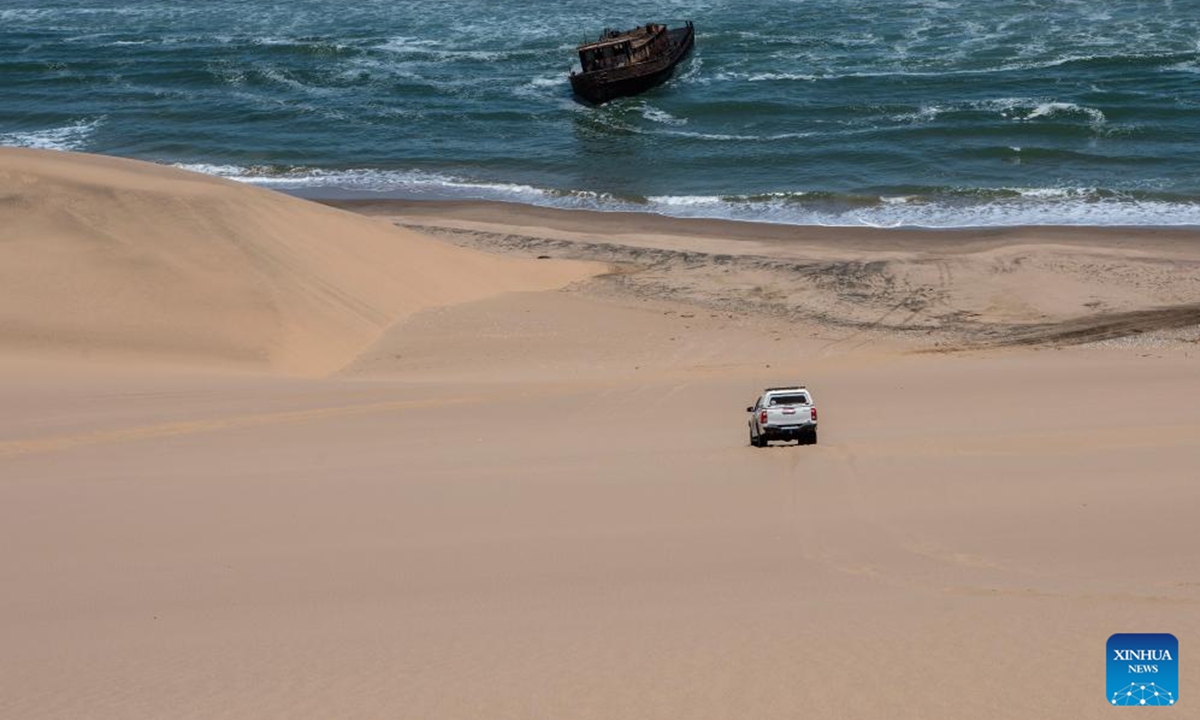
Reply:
x=542 y=505
x=108 y=256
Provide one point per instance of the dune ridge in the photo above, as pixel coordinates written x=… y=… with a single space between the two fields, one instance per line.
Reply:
x=106 y=256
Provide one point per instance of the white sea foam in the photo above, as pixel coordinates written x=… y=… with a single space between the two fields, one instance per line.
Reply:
x=1030 y=208
x=691 y=70
x=1022 y=206
x=779 y=77
x=233 y=172
x=67 y=137
x=438 y=51
x=271 y=40
x=405 y=43
x=540 y=87
x=30 y=15
x=723 y=137
x=714 y=137
x=926 y=113
x=686 y=200
x=1031 y=109
x=1052 y=109
x=400 y=183
x=654 y=114
x=948 y=69
x=282 y=78
x=1190 y=66
x=1055 y=193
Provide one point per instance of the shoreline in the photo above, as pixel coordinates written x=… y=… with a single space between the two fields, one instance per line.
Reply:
x=582 y=220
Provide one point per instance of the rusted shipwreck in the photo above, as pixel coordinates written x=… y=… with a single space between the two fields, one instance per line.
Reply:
x=630 y=62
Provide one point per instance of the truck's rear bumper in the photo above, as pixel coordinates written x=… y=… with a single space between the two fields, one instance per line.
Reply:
x=779 y=432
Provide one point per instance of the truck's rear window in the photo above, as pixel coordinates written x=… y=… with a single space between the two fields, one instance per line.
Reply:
x=799 y=399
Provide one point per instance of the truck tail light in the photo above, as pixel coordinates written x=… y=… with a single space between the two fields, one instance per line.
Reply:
x=814 y=413
x=762 y=417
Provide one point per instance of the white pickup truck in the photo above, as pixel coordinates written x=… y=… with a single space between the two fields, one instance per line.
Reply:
x=783 y=413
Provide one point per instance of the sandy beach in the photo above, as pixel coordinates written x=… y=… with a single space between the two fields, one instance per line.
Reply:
x=266 y=458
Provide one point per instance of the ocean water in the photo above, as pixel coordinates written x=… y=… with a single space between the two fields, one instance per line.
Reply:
x=933 y=113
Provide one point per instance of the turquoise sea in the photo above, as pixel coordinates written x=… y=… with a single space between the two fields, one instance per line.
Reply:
x=931 y=113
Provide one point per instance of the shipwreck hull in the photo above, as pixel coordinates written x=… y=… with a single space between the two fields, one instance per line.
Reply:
x=603 y=85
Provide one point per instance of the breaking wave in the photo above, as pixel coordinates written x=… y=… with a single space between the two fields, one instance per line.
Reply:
x=904 y=207
x=66 y=137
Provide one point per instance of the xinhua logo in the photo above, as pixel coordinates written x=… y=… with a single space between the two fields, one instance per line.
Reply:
x=1143 y=669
